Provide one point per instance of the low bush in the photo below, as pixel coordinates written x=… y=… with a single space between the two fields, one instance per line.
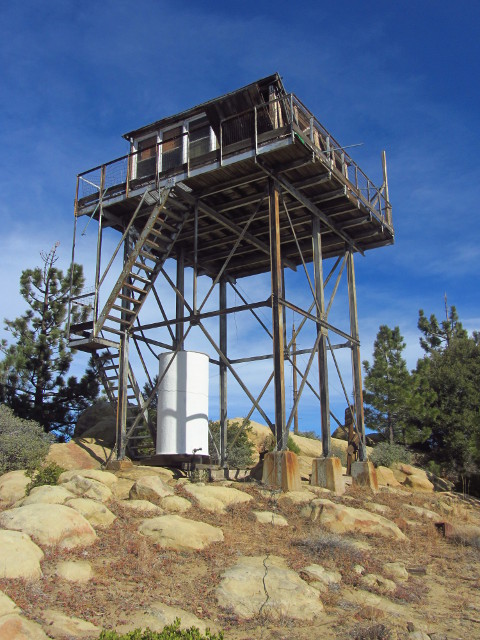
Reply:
x=269 y=444
x=46 y=474
x=341 y=453
x=386 y=454
x=240 y=448
x=23 y=443
x=170 y=632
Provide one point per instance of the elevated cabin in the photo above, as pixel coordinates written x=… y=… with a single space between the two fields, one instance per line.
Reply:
x=223 y=152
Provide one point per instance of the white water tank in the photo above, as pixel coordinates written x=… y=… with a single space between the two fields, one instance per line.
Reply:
x=182 y=410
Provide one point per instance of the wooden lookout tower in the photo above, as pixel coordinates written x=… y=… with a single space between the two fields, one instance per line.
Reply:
x=248 y=183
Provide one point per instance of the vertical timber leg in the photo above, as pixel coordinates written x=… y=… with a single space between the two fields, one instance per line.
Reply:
x=223 y=375
x=180 y=308
x=356 y=360
x=277 y=317
x=122 y=403
x=322 y=345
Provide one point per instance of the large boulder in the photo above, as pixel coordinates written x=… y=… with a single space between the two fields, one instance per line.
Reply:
x=74 y=570
x=339 y=518
x=419 y=483
x=216 y=499
x=61 y=626
x=88 y=488
x=73 y=455
x=386 y=477
x=15 y=627
x=269 y=517
x=7 y=605
x=175 y=532
x=98 y=422
x=157 y=615
x=95 y=512
x=266 y=585
x=150 y=488
x=46 y=494
x=19 y=556
x=175 y=504
x=50 y=525
x=13 y=485
x=141 y=507
x=105 y=477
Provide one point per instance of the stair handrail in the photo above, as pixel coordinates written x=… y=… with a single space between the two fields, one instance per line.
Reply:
x=122 y=239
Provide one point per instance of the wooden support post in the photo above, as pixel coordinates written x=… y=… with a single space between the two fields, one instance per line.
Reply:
x=295 y=388
x=180 y=307
x=322 y=344
x=277 y=317
x=356 y=359
x=388 y=208
x=223 y=374
x=122 y=402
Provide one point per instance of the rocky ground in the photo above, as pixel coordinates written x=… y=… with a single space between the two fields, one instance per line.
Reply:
x=141 y=546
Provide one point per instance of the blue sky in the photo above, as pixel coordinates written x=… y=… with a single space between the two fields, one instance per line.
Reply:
x=396 y=76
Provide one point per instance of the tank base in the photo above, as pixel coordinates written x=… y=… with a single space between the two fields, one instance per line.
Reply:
x=175 y=460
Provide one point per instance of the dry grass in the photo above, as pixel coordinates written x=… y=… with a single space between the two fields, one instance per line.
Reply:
x=132 y=572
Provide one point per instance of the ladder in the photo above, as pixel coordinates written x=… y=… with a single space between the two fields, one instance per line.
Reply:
x=107 y=366
x=142 y=266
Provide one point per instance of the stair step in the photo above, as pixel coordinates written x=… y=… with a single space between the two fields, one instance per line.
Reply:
x=159 y=234
x=133 y=288
x=173 y=215
x=149 y=256
x=132 y=300
x=164 y=225
x=119 y=320
x=154 y=245
x=139 y=265
x=140 y=278
x=123 y=309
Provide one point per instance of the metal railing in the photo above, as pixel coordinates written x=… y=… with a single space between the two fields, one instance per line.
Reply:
x=249 y=130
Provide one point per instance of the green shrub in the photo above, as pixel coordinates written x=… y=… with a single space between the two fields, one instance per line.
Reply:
x=23 y=443
x=269 y=444
x=47 y=474
x=386 y=454
x=170 y=632
x=339 y=452
x=240 y=448
x=293 y=446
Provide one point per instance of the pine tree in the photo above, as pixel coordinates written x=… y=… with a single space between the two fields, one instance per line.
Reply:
x=35 y=364
x=451 y=371
x=387 y=386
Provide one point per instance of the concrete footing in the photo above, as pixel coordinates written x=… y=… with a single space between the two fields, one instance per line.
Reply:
x=281 y=471
x=119 y=465
x=364 y=475
x=327 y=473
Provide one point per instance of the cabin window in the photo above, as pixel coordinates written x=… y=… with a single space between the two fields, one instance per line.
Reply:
x=146 y=157
x=172 y=148
x=199 y=138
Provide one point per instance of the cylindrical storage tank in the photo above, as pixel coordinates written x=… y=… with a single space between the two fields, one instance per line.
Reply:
x=182 y=409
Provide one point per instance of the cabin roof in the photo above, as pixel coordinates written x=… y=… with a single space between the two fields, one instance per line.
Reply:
x=218 y=108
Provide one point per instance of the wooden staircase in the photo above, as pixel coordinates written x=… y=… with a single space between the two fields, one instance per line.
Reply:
x=148 y=249
x=152 y=248
x=108 y=368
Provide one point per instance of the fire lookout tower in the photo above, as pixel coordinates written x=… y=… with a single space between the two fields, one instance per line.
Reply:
x=248 y=183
